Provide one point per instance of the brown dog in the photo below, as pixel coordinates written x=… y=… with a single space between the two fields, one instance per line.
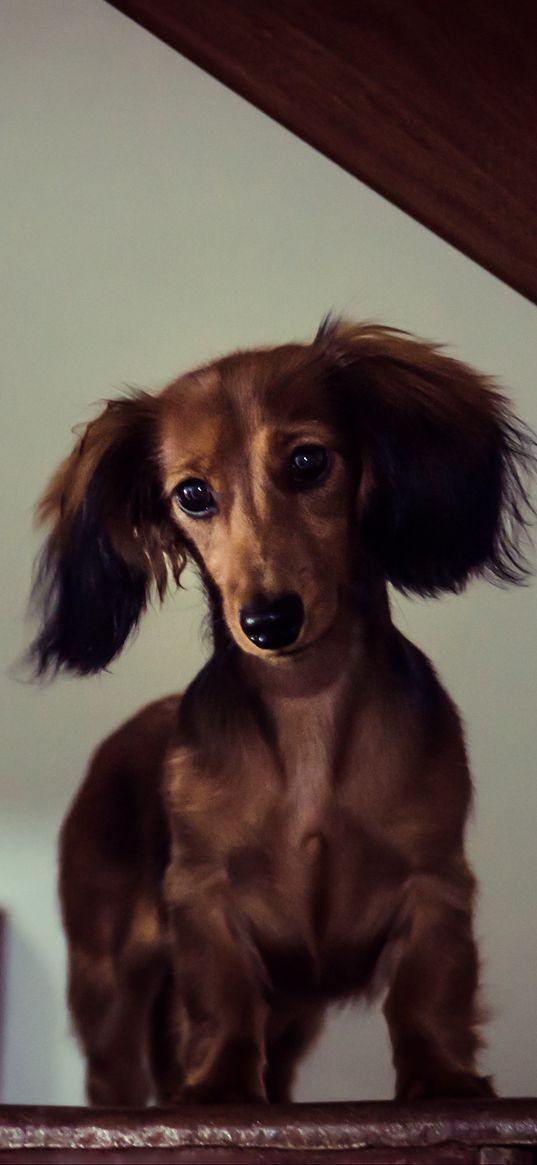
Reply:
x=290 y=831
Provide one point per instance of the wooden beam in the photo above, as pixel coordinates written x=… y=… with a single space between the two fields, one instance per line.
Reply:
x=441 y=1133
x=433 y=103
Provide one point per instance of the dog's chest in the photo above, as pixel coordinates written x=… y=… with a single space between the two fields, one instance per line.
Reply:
x=306 y=739
x=307 y=843
x=287 y=843
x=331 y=884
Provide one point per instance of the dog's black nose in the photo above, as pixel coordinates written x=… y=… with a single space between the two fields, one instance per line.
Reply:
x=273 y=623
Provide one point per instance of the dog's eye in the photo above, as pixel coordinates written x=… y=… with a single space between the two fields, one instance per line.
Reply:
x=308 y=464
x=195 y=498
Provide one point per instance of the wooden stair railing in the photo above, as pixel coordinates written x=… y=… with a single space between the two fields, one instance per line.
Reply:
x=432 y=103
x=502 y=1132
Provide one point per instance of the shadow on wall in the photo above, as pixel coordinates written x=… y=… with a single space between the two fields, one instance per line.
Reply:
x=29 y=996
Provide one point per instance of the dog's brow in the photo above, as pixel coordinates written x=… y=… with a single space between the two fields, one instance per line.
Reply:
x=306 y=430
x=198 y=430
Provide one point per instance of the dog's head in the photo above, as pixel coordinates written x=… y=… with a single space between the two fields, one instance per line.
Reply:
x=296 y=478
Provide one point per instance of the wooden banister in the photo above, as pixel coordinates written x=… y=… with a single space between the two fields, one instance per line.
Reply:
x=502 y=1132
x=432 y=104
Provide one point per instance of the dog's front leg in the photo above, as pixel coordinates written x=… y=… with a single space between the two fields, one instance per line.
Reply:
x=220 y=1011
x=431 y=1006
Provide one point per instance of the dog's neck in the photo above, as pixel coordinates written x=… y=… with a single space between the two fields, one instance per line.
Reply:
x=307 y=676
x=345 y=653
x=308 y=696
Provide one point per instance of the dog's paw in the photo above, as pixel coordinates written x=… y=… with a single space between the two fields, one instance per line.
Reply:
x=446 y=1085
x=221 y=1092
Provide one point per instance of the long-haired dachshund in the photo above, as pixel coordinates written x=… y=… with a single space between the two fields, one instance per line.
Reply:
x=289 y=832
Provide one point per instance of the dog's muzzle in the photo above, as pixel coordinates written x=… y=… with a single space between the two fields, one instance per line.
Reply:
x=273 y=623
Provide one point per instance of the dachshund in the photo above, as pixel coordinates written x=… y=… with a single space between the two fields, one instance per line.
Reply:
x=288 y=833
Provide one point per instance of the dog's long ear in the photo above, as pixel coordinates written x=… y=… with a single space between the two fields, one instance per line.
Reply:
x=111 y=541
x=446 y=465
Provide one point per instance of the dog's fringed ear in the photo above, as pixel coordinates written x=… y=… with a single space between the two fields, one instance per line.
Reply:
x=445 y=465
x=111 y=541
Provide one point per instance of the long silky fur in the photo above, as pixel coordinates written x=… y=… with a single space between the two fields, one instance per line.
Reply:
x=450 y=465
x=109 y=549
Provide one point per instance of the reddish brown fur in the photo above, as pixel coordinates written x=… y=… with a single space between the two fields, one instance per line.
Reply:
x=290 y=832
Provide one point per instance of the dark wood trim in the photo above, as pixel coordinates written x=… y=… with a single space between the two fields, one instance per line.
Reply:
x=503 y=1131
x=434 y=105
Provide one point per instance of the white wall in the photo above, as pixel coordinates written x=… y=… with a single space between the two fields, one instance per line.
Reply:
x=151 y=220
